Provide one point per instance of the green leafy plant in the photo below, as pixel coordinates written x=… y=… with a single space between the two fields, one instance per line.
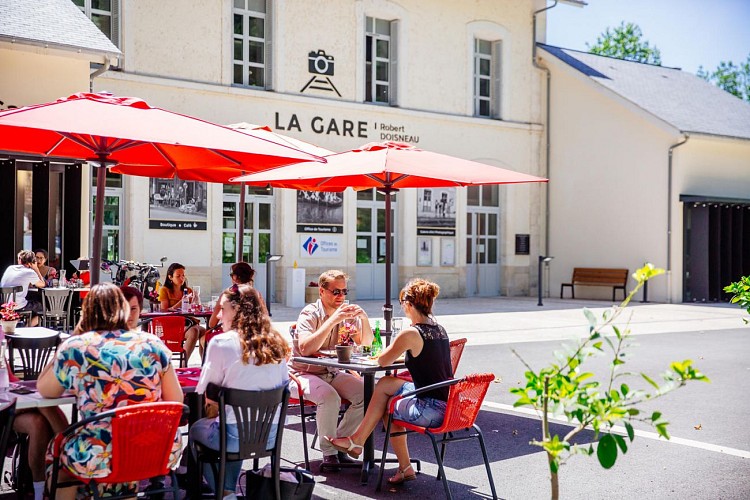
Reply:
x=740 y=291
x=728 y=76
x=564 y=390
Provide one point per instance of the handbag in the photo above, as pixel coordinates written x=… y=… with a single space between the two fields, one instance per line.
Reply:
x=260 y=486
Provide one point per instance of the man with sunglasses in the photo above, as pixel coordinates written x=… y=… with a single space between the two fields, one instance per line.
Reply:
x=317 y=329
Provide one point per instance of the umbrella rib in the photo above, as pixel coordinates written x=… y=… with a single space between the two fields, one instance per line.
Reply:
x=165 y=155
x=49 y=151
x=227 y=157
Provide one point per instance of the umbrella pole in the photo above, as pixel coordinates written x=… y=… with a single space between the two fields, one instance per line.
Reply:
x=96 y=258
x=388 y=308
x=241 y=223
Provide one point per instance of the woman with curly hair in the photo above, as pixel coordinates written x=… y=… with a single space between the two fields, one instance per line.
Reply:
x=427 y=356
x=249 y=355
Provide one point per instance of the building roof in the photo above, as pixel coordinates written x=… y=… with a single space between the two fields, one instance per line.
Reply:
x=55 y=23
x=685 y=101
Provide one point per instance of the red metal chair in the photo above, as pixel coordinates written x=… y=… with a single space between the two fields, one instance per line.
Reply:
x=171 y=330
x=142 y=440
x=465 y=398
x=457 y=349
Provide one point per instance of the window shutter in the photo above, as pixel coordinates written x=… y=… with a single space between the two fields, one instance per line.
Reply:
x=393 y=65
x=497 y=71
x=268 y=52
x=115 y=5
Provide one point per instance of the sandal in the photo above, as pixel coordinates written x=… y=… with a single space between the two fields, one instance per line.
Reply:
x=350 y=450
x=401 y=475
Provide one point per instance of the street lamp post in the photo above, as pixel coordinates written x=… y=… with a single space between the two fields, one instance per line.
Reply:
x=269 y=296
x=543 y=259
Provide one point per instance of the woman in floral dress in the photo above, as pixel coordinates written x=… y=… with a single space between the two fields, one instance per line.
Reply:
x=105 y=368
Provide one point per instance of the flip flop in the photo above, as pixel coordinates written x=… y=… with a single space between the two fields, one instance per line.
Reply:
x=350 y=450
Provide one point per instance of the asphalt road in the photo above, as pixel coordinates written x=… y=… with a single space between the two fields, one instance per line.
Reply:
x=707 y=462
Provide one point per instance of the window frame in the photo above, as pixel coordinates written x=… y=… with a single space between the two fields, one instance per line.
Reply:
x=246 y=39
x=114 y=18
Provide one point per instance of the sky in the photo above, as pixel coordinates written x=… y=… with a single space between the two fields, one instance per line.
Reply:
x=689 y=33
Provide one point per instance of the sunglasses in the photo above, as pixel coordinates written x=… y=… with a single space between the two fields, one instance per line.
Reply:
x=339 y=291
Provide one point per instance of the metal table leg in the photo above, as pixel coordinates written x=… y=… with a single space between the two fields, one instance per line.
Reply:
x=368 y=459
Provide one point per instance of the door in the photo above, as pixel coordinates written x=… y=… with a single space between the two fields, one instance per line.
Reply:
x=370 y=278
x=112 y=220
x=483 y=242
x=257 y=233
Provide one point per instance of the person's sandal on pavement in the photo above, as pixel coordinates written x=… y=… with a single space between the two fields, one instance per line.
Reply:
x=353 y=450
x=403 y=475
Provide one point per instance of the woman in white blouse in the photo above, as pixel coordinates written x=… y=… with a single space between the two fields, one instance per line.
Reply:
x=250 y=355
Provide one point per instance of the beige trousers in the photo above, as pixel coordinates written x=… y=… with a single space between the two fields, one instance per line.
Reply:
x=327 y=391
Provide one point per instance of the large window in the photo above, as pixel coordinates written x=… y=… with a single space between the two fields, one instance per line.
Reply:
x=251 y=43
x=103 y=13
x=380 y=60
x=486 y=78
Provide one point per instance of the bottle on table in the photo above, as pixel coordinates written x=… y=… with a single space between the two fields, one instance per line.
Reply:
x=4 y=379
x=185 y=302
x=377 y=342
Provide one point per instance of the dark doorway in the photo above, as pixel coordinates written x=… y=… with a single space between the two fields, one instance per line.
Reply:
x=716 y=246
x=42 y=201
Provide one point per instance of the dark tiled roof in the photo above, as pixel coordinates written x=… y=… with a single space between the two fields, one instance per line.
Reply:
x=58 y=23
x=679 y=98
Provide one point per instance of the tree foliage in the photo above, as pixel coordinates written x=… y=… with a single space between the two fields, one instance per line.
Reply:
x=626 y=42
x=730 y=77
x=565 y=390
x=740 y=291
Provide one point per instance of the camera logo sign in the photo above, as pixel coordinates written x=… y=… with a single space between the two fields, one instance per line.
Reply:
x=320 y=65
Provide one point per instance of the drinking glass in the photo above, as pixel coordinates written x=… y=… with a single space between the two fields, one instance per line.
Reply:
x=196 y=294
x=396 y=325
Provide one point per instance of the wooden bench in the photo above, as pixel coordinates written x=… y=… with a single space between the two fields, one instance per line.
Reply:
x=591 y=276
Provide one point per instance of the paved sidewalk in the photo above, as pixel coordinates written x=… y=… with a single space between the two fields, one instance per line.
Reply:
x=502 y=320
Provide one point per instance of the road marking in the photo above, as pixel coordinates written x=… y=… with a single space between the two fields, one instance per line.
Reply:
x=621 y=430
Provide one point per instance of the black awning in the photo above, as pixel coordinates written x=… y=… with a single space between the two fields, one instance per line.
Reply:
x=694 y=198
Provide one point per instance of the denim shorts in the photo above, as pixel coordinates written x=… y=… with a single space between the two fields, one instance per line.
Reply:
x=423 y=412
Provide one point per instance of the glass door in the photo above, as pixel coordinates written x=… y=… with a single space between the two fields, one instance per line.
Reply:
x=482 y=241
x=371 y=245
x=257 y=234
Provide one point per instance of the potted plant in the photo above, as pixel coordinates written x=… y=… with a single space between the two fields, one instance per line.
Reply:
x=345 y=344
x=9 y=317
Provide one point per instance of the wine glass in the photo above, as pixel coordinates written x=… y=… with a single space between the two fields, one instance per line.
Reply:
x=396 y=325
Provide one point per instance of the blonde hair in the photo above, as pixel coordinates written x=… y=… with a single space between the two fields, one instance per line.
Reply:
x=421 y=294
x=330 y=276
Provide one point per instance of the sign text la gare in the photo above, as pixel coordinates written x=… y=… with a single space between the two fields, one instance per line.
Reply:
x=326 y=126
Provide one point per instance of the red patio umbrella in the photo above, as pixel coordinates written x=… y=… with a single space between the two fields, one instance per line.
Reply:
x=266 y=132
x=387 y=166
x=137 y=139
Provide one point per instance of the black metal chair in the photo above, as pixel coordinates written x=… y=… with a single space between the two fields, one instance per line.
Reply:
x=34 y=353
x=56 y=313
x=255 y=413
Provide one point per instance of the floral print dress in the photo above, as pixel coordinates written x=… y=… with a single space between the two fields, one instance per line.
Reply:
x=106 y=370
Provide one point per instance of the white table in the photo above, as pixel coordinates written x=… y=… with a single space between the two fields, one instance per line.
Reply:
x=34 y=399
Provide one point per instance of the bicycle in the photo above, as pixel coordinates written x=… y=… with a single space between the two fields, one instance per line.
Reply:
x=145 y=276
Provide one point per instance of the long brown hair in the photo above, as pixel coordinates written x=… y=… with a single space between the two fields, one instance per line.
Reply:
x=104 y=308
x=252 y=323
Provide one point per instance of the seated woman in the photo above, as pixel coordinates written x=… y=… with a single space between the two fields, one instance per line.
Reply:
x=139 y=361
x=250 y=355
x=170 y=299
x=428 y=359
x=47 y=272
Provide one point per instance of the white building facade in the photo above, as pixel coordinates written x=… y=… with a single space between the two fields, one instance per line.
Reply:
x=450 y=77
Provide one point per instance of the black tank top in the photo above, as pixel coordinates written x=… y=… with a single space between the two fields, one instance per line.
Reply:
x=433 y=364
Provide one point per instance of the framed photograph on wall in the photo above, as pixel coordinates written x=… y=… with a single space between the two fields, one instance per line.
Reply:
x=424 y=251
x=447 y=252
